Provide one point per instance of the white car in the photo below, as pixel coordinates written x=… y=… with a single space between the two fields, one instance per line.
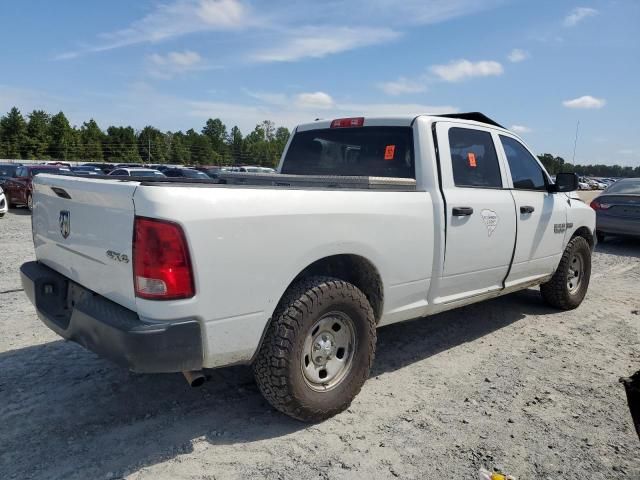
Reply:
x=136 y=172
x=369 y=222
x=4 y=205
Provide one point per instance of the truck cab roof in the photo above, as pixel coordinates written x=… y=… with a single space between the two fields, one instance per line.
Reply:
x=477 y=118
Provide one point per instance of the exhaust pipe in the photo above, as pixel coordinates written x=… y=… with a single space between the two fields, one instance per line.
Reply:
x=195 y=378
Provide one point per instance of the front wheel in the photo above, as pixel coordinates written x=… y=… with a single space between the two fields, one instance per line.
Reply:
x=318 y=349
x=600 y=236
x=568 y=286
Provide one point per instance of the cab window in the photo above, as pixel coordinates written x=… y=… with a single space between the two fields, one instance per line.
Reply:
x=526 y=172
x=474 y=159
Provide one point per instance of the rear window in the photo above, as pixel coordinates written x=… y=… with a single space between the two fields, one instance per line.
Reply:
x=50 y=171
x=7 y=170
x=366 y=151
x=631 y=186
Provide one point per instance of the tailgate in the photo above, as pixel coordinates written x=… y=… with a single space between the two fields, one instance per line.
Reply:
x=83 y=228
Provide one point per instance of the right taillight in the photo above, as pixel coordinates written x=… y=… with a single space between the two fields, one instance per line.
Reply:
x=597 y=205
x=161 y=262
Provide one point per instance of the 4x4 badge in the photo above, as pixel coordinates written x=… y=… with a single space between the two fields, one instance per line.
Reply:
x=65 y=223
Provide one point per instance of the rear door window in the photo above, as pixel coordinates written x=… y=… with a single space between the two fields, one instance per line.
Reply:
x=474 y=159
x=362 y=151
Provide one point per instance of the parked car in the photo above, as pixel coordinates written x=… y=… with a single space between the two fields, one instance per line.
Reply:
x=86 y=170
x=358 y=243
x=19 y=189
x=618 y=209
x=105 y=167
x=4 y=206
x=7 y=171
x=136 y=172
x=186 y=173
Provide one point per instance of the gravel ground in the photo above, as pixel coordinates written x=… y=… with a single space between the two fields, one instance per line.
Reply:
x=508 y=383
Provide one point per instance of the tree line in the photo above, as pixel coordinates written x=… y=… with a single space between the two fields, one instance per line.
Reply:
x=41 y=136
x=556 y=165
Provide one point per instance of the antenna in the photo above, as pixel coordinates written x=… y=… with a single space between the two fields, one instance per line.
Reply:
x=575 y=144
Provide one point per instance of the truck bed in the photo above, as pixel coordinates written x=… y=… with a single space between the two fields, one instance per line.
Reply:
x=281 y=180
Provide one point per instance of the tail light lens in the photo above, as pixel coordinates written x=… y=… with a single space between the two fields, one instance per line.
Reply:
x=161 y=264
x=347 y=122
x=597 y=205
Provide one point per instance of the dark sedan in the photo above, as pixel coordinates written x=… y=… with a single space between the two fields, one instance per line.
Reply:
x=185 y=173
x=618 y=209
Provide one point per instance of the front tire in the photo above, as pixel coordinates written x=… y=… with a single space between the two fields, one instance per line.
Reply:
x=568 y=286
x=600 y=236
x=318 y=349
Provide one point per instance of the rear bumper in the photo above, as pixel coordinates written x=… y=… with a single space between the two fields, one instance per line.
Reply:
x=618 y=225
x=109 y=329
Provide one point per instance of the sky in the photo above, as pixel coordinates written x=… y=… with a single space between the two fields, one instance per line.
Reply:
x=537 y=67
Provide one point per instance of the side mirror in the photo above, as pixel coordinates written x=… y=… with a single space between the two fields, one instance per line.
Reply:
x=565 y=182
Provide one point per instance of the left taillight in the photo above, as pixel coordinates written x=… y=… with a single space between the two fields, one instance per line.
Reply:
x=161 y=262
x=597 y=205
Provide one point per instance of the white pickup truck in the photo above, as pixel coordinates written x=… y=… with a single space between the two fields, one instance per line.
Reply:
x=368 y=222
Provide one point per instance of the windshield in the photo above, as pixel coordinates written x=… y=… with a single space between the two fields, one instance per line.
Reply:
x=193 y=174
x=367 y=151
x=628 y=186
x=146 y=173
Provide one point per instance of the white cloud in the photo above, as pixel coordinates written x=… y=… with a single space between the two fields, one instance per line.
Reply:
x=402 y=86
x=171 y=20
x=318 y=42
x=281 y=30
x=578 y=14
x=518 y=55
x=520 y=129
x=586 y=101
x=313 y=100
x=175 y=63
x=462 y=69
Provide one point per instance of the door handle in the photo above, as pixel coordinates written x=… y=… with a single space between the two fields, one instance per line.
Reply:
x=462 y=211
x=527 y=209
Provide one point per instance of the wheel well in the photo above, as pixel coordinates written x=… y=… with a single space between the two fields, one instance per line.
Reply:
x=354 y=269
x=585 y=233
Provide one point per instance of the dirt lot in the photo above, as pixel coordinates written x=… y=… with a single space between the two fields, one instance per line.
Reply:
x=508 y=383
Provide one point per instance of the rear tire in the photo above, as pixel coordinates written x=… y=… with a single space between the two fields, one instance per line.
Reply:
x=318 y=349
x=30 y=202
x=600 y=236
x=568 y=286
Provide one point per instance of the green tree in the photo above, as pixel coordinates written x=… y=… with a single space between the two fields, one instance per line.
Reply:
x=121 y=145
x=13 y=131
x=62 y=138
x=217 y=133
x=202 y=152
x=153 y=146
x=37 y=135
x=91 y=139
x=178 y=151
x=235 y=146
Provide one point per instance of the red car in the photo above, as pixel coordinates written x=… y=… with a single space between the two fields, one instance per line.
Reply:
x=18 y=189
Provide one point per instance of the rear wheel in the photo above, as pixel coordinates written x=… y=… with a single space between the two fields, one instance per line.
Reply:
x=318 y=349
x=29 y=202
x=568 y=286
x=600 y=236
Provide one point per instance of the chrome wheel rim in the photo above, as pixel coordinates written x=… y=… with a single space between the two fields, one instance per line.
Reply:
x=576 y=273
x=327 y=355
